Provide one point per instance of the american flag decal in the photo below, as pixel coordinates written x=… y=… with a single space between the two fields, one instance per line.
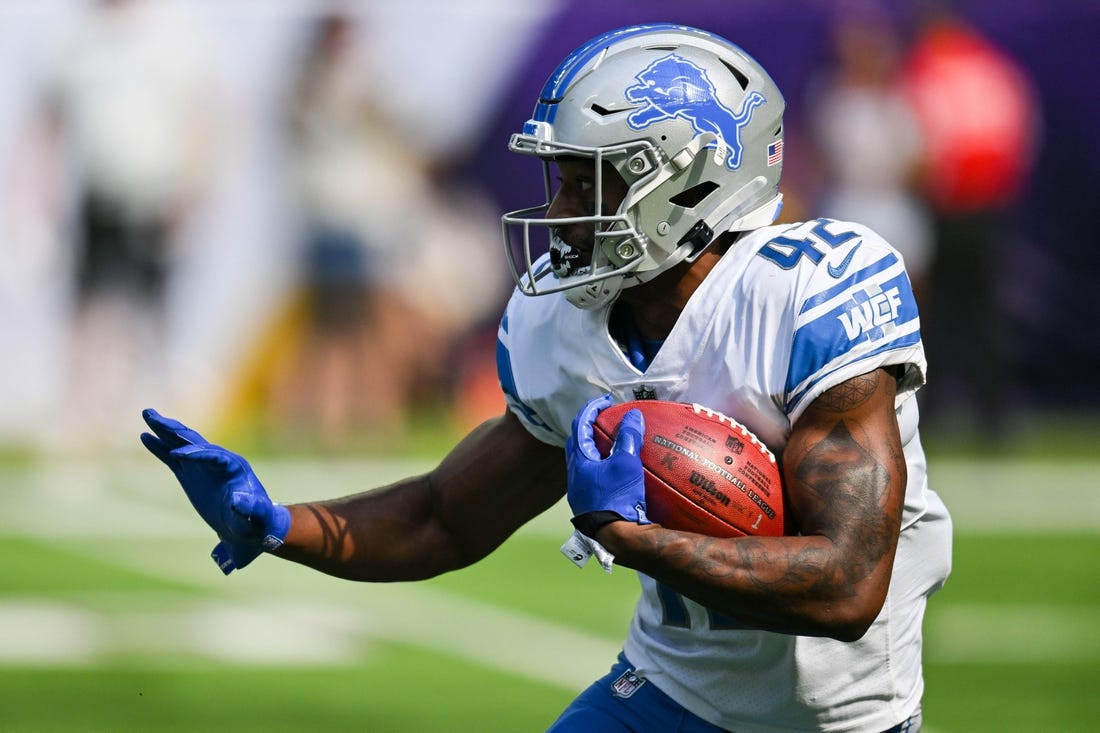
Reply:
x=775 y=153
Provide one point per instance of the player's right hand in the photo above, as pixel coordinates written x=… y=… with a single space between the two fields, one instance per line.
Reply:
x=602 y=490
x=223 y=489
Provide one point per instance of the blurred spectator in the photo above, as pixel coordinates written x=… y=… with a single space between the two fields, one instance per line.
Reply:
x=979 y=115
x=128 y=99
x=867 y=138
x=379 y=244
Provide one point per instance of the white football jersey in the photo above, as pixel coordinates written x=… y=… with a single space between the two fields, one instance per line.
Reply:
x=789 y=312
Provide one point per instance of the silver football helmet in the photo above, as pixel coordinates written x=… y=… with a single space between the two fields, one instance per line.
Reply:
x=692 y=124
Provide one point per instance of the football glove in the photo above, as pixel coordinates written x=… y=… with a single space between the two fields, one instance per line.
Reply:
x=223 y=489
x=605 y=490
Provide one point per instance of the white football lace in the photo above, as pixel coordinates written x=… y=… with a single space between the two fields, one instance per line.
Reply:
x=736 y=425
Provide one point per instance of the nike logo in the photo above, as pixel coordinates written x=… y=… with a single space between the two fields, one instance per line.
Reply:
x=838 y=270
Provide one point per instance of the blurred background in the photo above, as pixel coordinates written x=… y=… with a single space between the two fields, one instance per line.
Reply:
x=280 y=218
x=278 y=221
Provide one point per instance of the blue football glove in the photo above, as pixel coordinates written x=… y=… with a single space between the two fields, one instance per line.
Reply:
x=605 y=490
x=223 y=489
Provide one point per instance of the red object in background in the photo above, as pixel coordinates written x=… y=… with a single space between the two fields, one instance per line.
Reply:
x=978 y=112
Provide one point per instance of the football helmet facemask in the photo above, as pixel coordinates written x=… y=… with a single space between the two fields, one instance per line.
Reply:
x=691 y=123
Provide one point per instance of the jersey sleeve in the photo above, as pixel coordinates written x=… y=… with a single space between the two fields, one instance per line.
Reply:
x=855 y=312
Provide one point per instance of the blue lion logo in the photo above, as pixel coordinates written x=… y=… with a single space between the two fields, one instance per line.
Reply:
x=673 y=87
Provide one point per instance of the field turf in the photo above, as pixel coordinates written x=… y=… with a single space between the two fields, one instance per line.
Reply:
x=112 y=618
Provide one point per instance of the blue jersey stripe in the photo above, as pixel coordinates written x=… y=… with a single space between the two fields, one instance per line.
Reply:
x=910 y=339
x=504 y=370
x=864 y=317
x=504 y=362
x=854 y=279
x=507 y=380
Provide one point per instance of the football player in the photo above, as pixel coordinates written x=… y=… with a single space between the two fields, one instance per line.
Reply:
x=664 y=277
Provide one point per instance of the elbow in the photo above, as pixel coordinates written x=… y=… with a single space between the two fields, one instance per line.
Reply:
x=855 y=603
x=849 y=631
x=850 y=620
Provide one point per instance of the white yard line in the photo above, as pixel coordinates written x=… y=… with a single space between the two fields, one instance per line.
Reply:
x=274 y=630
x=136 y=496
x=276 y=614
x=1019 y=496
x=1032 y=634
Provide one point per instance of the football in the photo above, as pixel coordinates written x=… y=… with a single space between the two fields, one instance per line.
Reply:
x=704 y=472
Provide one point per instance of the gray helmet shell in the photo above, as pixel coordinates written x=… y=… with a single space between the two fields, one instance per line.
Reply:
x=690 y=121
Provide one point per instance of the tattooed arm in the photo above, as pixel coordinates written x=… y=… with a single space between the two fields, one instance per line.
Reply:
x=845 y=476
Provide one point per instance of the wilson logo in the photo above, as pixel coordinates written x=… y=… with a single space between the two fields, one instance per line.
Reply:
x=707 y=485
x=869 y=317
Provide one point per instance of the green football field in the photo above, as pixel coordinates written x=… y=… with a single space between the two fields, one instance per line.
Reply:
x=113 y=618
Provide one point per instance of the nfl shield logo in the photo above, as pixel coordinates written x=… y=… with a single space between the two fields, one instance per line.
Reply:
x=627 y=684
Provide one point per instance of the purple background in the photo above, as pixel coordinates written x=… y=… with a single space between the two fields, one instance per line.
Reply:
x=1053 y=274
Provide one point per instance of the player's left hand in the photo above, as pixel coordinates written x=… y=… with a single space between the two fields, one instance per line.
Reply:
x=605 y=490
x=223 y=489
